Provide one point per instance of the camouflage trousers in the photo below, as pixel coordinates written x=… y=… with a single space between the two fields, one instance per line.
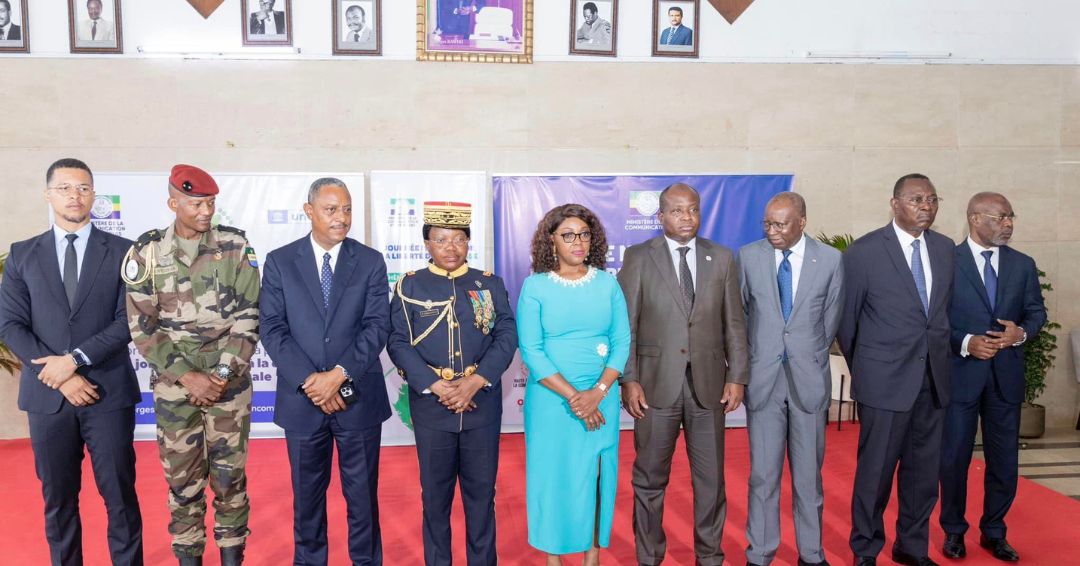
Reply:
x=200 y=445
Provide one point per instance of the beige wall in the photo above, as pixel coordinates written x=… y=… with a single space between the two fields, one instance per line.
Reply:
x=845 y=131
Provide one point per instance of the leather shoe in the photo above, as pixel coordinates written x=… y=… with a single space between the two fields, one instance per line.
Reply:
x=901 y=557
x=954 y=546
x=805 y=563
x=1000 y=548
x=865 y=561
x=232 y=555
x=748 y=563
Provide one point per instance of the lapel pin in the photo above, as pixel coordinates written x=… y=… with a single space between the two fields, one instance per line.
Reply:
x=708 y=258
x=813 y=261
x=478 y=284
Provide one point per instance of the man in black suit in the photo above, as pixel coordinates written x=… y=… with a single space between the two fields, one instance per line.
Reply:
x=77 y=384
x=266 y=20
x=895 y=336
x=997 y=305
x=9 y=31
x=325 y=316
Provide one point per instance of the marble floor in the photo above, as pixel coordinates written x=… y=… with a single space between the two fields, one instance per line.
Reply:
x=1053 y=460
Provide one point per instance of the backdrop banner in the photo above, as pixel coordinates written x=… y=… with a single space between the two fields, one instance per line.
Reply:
x=732 y=207
x=397 y=216
x=269 y=207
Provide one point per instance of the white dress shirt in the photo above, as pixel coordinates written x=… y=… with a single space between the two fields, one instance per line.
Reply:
x=798 y=252
x=319 y=251
x=105 y=31
x=980 y=265
x=905 y=246
x=691 y=258
x=60 y=235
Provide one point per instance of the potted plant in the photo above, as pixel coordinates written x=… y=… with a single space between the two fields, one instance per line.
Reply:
x=8 y=361
x=1038 y=359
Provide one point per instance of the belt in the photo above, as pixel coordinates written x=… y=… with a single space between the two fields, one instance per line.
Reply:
x=448 y=374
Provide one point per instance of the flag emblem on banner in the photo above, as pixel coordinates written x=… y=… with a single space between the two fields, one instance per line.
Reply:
x=647 y=203
x=277 y=216
x=106 y=207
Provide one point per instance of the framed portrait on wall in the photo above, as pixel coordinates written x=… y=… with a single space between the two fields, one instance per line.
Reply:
x=487 y=31
x=357 y=27
x=14 y=27
x=675 y=28
x=266 y=22
x=95 y=26
x=593 y=27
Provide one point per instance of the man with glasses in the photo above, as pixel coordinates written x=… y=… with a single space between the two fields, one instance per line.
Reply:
x=997 y=306
x=453 y=337
x=193 y=312
x=895 y=335
x=325 y=317
x=792 y=290
x=62 y=314
x=687 y=369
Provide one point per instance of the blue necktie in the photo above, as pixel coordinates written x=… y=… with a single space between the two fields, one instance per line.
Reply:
x=990 y=279
x=783 y=280
x=326 y=277
x=920 y=277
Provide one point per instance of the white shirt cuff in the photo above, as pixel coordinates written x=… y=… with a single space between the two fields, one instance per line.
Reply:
x=964 y=346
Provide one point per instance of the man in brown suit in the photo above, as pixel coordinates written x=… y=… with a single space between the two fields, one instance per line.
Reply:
x=688 y=367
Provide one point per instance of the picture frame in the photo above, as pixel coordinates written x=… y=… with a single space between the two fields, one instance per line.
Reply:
x=14 y=26
x=266 y=22
x=672 y=34
x=448 y=30
x=95 y=26
x=594 y=27
x=357 y=26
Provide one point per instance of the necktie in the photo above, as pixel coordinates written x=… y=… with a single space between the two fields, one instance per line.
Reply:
x=686 y=279
x=3 y=34
x=93 y=30
x=784 y=281
x=920 y=277
x=326 y=276
x=356 y=37
x=71 y=269
x=990 y=279
x=670 y=35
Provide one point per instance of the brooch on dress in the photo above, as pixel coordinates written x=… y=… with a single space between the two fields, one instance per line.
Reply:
x=601 y=349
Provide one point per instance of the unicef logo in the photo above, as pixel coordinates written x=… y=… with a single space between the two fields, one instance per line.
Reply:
x=647 y=202
x=102 y=207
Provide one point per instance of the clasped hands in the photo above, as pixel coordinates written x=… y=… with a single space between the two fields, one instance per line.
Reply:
x=323 y=388
x=987 y=346
x=586 y=406
x=59 y=373
x=457 y=396
x=203 y=388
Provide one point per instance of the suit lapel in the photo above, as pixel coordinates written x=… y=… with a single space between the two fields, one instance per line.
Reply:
x=96 y=249
x=896 y=254
x=966 y=264
x=306 y=266
x=661 y=257
x=343 y=272
x=767 y=273
x=50 y=268
x=1006 y=271
x=939 y=255
x=807 y=276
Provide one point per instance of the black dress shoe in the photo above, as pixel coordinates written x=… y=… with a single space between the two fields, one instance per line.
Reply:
x=805 y=563
x=232 y=555
x=901 y=557
x=748 y=563
x=954 y=546
x=865 y=561
x=1000 y=548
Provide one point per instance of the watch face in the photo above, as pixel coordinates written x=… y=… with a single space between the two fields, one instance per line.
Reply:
x=223 y=372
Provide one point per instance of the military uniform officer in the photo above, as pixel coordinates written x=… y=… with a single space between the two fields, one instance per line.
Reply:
x=192 y=306
x=453 y=335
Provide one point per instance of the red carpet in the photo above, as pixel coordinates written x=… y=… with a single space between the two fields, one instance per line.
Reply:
x=1043 y=523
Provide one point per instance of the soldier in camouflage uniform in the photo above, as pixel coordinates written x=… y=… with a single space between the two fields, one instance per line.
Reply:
x=192 y=305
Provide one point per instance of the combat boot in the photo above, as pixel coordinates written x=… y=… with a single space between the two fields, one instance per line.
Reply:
x=232 y=555
x=190 y=560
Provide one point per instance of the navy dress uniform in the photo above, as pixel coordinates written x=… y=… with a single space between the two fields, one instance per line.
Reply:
x=448 y=325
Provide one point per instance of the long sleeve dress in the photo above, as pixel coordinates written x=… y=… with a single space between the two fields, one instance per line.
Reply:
x=574 y=328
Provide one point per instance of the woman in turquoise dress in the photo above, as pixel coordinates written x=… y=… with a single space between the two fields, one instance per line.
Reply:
x=574 y=336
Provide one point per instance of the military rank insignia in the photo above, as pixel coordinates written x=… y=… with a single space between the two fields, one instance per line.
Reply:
x=250 y=253
x=483 y=310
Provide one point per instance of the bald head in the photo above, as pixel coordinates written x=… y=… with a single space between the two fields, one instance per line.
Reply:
x=785 y=220
x=990 y=219
x=789 y=199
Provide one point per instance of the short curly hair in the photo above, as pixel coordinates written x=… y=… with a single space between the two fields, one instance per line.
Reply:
x=543 y=254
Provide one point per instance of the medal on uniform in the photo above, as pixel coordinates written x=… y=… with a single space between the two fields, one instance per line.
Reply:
x=131 y=269
x=483 y=310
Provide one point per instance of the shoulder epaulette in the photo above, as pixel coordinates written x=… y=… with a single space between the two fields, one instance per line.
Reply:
x=488 y=274
x=408 y=273
x=147 y=237
x=232 y=230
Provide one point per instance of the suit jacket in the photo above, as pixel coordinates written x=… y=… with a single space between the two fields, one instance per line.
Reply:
x=257 y=27
x=711 y=338
x=14 y=33
x=1019 y=299
x=885 y=335
x=105 y=30
x=807 y=334
x=303 y=337
x=34 y=309
x=683 y=36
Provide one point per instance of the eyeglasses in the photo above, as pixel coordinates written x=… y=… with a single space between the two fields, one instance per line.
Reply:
x=571 y=237
x=998 y=217
x=81 y=190
x=446 y=242
x=778 y=226
x=918 y=201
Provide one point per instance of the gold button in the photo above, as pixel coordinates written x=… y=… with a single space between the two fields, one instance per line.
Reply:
x=458 y=354
x=454 y=325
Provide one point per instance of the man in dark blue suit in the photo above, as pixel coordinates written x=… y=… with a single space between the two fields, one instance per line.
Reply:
x=77 y=385
x=997 y=305
x=453 y=337
x=676 y=34
x=895 y=335
x=325 y=317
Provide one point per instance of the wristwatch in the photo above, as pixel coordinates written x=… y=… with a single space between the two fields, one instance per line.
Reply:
x=79 y=358
x=223 y=371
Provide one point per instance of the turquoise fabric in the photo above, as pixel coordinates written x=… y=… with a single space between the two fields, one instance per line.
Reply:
x=575 y=329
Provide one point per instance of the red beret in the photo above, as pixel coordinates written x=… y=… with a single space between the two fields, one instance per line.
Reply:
x=192 y=181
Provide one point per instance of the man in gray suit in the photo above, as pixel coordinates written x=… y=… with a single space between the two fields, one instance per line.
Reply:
x=687 y=368
x=792 y=291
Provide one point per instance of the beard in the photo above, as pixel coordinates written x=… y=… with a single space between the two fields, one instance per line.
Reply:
x=75 y=219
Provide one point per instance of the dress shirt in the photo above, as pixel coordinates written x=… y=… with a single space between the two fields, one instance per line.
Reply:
x=691 y=257
x=798 y=251
x=319 y=251
x=980 y=265
x=6 y=31
x=905 y=248
x=60 y=237
x=105 y=31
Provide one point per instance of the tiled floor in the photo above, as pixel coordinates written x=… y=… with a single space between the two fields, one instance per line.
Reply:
x=1053 y=460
